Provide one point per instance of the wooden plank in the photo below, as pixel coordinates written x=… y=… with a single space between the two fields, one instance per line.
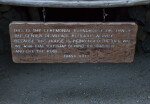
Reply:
x=58 y=42
x=75 y=3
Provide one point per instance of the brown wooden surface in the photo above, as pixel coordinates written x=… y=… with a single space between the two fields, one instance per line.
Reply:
x=57 y=42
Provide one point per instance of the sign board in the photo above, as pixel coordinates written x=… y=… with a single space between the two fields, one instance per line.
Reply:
x=72 y=42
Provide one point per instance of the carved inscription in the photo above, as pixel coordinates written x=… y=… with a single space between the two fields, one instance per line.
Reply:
x=37 y=42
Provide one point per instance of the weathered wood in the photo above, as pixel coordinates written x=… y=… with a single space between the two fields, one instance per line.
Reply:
x=38 y=42
x=75 y=3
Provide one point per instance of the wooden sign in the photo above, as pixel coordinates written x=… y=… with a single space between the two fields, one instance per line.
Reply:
x=58 y=42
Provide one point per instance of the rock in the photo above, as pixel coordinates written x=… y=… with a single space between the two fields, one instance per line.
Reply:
x=1 y=44
x=4 y=35
x=148 y=16
x=34 y=14
x=147 y=27
x=0 y=15
x=16 y=14
x=146 y=44
x=138 y=13
x=12 y=15
x=148 y=6
x=4 y=8
x=147 y=24
x=141 y=33
x=4 y=27
x=23 y=12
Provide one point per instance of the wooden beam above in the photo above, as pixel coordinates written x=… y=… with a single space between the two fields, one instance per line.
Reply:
x=75 y=3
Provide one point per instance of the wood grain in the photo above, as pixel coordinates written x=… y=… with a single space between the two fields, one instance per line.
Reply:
x=75 y=3
x=78 y=42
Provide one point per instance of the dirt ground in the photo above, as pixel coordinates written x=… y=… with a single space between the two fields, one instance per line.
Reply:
x=101 y=83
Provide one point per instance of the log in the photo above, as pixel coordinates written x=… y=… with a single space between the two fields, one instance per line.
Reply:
x=75 y=3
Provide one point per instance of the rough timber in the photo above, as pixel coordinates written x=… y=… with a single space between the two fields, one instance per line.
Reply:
x=75 y=3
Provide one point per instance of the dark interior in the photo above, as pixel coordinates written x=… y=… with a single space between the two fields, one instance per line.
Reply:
x=85 y=14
